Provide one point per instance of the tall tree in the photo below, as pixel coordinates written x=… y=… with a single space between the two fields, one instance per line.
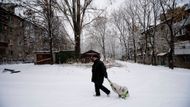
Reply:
x=143 y=10
x=49 y=15
x=118 y=20
x=74 y=11
x=155 y=11
x=112 y=44
x=42 y=12
x=99 y=33
x=132 y=26
x=168 y=17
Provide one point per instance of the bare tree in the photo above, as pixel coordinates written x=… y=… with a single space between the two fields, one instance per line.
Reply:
x=49 y=15
x=74 y=11
x=42 y=12
x=98 y=32
x=101 y=29
x=61 y=39
x=132 y=26
x=143 y=10
x=168 y=15
x=155 y=11
x=119 y=22
x=112 y=40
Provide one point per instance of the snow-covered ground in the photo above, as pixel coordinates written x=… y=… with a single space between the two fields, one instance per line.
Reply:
x=69 y=85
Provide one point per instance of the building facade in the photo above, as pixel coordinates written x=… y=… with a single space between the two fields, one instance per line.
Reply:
x=181 y=54
x=11 y=36
x=182 y=42
x=18 y=37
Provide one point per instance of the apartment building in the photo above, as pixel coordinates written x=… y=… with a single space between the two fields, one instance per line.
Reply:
x=181 y=55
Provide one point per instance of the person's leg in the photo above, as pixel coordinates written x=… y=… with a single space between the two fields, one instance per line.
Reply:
x=104 y=89
x=97 y=89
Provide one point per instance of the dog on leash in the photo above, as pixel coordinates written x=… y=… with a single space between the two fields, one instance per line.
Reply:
x=10 y=70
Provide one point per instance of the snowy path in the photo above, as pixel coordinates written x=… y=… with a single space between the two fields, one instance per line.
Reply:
x=70 y=86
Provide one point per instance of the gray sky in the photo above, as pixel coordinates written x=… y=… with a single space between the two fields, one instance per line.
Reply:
x=117 y=3
x=110 y=4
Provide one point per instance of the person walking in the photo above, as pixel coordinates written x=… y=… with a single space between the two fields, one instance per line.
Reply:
x=98 y=74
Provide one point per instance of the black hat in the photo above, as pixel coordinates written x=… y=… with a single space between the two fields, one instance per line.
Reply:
x=96 y=56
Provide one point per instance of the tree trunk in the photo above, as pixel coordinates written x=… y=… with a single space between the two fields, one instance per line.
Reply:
x=134 y=46
x=153 y=61
x=171 y=53
x=77 y=28
x=50 y=32
x=77 y=44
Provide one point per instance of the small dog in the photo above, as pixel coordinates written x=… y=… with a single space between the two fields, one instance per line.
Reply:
x=10 y=70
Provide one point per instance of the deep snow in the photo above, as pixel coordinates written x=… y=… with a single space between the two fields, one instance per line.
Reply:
x=69 y=85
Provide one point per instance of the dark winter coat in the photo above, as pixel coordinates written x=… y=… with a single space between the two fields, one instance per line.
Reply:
x=98 y=72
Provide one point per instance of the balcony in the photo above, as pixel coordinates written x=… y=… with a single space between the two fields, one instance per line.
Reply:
x=182 y=51
x=182 y=48
x=181 y=32
x=3 y=44
x=180 y=28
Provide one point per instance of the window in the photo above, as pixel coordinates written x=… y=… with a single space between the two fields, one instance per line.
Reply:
x=183 y=31
x=1 y=27
x=11 y=52
x=11 y=29
x=187 y=59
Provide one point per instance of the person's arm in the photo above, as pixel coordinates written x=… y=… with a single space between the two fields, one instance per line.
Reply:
x=104 y=70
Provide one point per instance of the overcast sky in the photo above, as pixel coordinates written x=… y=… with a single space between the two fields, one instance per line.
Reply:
x=110 y=4
x=116 y=3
